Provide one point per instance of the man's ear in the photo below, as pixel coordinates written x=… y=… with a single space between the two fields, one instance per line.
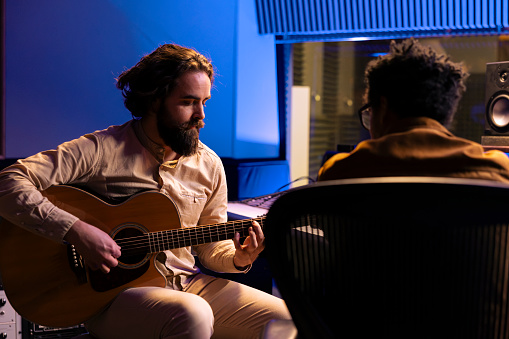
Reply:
x=155 y=106
x=382 y=118
x=383 y=107
x=386 y=113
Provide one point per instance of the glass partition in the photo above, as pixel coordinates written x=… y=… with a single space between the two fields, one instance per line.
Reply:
x=334 y=73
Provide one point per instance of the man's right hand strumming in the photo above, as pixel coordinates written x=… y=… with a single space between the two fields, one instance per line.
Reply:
x=96 y=247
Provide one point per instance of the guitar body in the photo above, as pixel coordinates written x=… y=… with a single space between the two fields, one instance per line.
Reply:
x=47 y=283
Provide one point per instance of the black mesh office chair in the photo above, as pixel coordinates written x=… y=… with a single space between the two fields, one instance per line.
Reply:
x=393 y=258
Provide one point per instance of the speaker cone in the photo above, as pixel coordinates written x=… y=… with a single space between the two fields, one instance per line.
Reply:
x=498 y=112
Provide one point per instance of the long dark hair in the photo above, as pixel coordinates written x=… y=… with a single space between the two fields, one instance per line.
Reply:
x=156 y=74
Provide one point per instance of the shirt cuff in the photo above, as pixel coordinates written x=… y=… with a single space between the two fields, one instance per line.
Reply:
x=243 y=269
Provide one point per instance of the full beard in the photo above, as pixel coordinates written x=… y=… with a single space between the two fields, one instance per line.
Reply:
x=182 y=138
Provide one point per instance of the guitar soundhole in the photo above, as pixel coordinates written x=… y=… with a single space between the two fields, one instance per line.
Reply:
x=132 y=264
x=133 y=242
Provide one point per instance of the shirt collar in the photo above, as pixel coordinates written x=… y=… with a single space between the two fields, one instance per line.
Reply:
x=407 y=124
x=155 y=149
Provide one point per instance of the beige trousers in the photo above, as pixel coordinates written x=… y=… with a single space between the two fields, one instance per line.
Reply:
x=209 y=307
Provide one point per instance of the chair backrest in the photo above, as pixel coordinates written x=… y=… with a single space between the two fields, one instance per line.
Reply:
x=393 y=257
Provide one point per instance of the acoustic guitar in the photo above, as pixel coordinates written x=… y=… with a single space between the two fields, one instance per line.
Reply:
x=48 y=283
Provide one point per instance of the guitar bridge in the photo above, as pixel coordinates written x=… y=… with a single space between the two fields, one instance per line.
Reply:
x=76 y=264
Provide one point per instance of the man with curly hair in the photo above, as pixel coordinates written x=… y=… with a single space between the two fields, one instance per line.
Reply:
x=411 y=96
x=158 y=150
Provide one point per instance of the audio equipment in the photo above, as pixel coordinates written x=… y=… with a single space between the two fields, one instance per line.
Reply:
x=34 y=331
x=10 y=321
x=496 y=129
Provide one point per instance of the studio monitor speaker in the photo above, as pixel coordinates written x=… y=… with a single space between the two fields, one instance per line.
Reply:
x=497 y=99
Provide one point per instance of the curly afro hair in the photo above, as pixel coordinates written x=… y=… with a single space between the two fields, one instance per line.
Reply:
x=416 y=81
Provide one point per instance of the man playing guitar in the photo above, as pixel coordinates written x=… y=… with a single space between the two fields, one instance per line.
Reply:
x=158 y=150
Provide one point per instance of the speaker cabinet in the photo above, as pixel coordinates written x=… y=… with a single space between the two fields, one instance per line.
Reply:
x=497 y=98
x=496 y=127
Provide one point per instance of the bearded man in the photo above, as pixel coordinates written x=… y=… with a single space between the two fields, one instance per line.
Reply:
x=158 y=150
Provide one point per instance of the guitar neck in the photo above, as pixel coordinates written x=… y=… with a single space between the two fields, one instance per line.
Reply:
x=154 y=242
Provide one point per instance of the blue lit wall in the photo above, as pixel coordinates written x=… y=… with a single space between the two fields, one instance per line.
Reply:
x=62 y=58
x=256 y=95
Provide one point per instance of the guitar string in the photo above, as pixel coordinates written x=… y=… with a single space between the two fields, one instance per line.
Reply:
x=175 y=236
x=179 y=238
x=156 y=241
x=190 y=232
x=159 y=241
x=196 y=229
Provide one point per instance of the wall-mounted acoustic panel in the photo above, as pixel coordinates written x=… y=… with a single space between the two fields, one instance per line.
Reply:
x=304 y=20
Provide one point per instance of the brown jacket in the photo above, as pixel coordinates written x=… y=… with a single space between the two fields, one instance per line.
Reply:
x=418 y=147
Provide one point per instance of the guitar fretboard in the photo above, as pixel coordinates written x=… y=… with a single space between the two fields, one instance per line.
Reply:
x=153 y=242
